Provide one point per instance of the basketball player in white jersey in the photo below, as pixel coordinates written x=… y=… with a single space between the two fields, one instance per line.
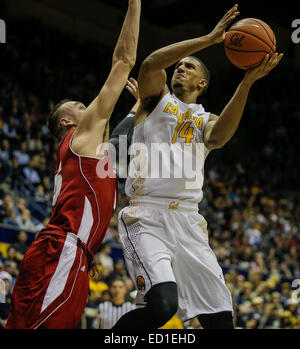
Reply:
x=164 y=238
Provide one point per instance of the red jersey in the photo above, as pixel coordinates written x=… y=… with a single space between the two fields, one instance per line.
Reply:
x=82 y=203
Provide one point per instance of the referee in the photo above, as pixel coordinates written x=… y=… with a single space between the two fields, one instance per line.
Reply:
x=110 y=312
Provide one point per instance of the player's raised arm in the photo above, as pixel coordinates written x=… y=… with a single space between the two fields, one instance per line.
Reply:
x=219 y=131
x=152 y=76
x=92 y=125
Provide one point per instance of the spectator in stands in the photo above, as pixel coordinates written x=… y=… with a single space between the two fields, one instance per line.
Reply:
x=10 y=217
x=271 y=317
x=97 y=287
x=41 y=195
x=47 y=185
x=5 y=151
x=106 y=296
x=254 y=235
x=103 y=257
x=15 y=174
x=11 y=254
x=11 y=266
x=130 y=289
x=119 y=270
x=22 y=154
x=276 y=298
x=257 y=309
x=41 y=225
x=41 y=166
x=89 y=316
x=31 y=173
x=285 y=270
x=3 y=175
x=287 y=320
x=112 y=235
x=20 y=245
x=285 y=292
x=259 y=263
x=10 y=128
x=252 y=323
x=2 y=206
x=21 y=206
x=255 y=277
x=35 y=143
x=24 y=221
x=8 y=202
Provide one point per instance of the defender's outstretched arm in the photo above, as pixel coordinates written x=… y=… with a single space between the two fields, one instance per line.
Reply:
x=91 y=127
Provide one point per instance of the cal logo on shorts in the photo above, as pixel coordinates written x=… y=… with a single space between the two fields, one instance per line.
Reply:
x=173 y=205
x=140 y=282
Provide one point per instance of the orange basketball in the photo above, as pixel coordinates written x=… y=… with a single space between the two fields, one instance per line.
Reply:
x=248 y=41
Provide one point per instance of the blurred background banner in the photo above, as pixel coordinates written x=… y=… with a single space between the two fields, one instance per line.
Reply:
x=53 y=49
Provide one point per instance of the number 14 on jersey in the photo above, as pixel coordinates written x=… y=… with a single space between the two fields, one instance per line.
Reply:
x=185 y=130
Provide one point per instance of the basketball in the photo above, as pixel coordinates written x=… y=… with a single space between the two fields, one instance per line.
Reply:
x=248 y=41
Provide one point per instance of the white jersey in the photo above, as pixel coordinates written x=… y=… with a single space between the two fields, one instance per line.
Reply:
x=168 y=152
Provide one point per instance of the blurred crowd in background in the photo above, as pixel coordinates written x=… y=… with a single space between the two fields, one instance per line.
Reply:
x=251 y=191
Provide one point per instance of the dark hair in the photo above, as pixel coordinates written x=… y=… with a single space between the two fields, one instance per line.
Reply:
x=117 y=278
x=11 y=247
x=53 y=122
x=205 y=72
x=104 y=244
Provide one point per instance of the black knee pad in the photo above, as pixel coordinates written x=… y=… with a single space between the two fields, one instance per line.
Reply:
x=222 y=320
x=162 y=300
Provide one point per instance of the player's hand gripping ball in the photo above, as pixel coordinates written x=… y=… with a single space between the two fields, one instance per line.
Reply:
x=248 y=41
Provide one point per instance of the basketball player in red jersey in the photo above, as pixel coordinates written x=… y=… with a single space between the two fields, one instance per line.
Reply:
x=53 y=283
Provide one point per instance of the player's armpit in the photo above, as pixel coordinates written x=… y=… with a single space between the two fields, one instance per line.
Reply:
x=152 y=82
x=152 y=88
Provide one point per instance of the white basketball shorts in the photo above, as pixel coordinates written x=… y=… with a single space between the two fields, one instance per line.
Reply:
x=165 y=240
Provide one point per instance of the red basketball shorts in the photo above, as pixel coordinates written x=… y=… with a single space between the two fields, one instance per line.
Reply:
x=52 y=286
